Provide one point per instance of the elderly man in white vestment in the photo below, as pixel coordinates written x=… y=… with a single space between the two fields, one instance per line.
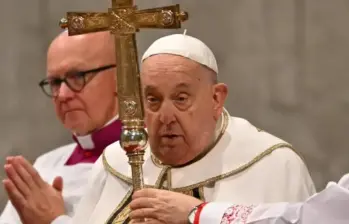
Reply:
x=197 y=151
x=81 y=83
x=329 y=206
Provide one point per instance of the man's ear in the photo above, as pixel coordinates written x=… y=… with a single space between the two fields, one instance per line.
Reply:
x=220 y=93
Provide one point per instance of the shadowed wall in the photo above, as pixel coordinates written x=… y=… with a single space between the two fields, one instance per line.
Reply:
x=285 y=62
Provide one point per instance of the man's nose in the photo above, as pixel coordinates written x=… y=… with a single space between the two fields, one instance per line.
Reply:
x=64 y=92
x=167 y=113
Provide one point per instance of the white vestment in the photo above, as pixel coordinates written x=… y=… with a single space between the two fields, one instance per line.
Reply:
x=245 y=165
x=329 y=206
x=50 y=165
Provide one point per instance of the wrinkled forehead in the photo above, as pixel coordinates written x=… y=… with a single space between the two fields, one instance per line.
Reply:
x=170 y=69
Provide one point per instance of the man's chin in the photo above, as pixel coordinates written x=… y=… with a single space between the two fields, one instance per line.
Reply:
x=166 y=153
x=74 y=115
x=77 y=128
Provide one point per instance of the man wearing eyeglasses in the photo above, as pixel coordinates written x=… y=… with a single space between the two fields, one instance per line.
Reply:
x=82 y=85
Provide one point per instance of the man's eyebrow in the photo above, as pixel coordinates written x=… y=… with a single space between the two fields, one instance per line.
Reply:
x=183 y=85
x=149 y=88
x=70 y=71
x=51 y=76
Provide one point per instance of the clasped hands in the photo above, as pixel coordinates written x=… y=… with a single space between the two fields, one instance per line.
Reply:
x=35 y=200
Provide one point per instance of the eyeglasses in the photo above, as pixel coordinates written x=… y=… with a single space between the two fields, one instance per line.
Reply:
x=76 y=81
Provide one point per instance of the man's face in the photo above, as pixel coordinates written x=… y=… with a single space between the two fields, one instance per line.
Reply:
x=85 y=111
x=182 y=105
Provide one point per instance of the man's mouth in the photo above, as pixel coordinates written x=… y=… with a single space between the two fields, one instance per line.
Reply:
x=170 y=136
x=71 y=110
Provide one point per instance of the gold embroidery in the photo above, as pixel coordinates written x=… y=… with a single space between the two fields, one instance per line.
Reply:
x=235 y=171
x=189 y=193
x=201 y=193
x=114 y=172
x=122 y=216
x=169 y=179
x=212 y=179
x=161 y=179
x=123 y=212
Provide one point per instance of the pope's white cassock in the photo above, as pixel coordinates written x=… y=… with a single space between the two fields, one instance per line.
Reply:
x=73 y=162
x=329 y=206
x=244 y=164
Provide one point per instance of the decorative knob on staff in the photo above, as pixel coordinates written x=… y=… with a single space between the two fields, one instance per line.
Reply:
x=133 y=140
x=124 y=20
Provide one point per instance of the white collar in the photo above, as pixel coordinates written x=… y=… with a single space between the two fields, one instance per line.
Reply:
x=86 y=141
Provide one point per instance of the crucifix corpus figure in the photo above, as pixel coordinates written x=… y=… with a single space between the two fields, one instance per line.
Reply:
x=123 y=19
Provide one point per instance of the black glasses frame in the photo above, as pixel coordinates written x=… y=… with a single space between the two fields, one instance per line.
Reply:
x=82 y=74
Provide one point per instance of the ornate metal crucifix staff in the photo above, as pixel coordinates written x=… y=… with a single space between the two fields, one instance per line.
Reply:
x=123 y=19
